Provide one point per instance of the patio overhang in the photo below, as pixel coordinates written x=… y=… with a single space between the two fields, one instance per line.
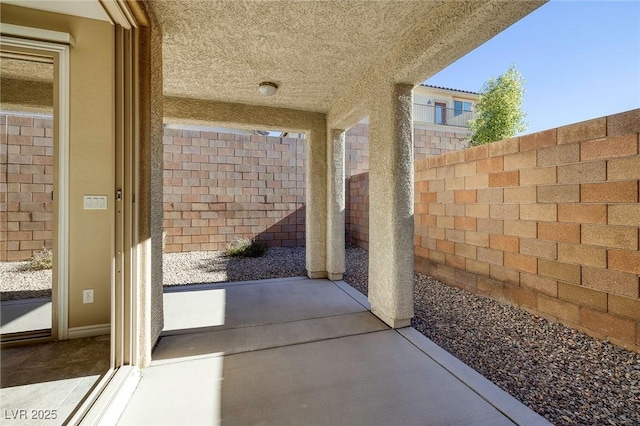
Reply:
x=324 y=56
x=200 y=112
x=334 y=63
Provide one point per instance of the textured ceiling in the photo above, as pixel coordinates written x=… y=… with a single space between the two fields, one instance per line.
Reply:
x=313 y=50
x=26 y=70
x=318 y=52
x=26 y=85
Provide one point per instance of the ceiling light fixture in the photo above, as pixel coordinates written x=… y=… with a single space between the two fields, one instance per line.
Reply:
x=267 y=88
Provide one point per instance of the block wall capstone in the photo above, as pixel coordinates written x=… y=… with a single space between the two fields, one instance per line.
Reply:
x=549 y=222
x=26 y=185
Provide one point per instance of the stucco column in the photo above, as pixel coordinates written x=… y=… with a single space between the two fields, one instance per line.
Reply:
x=316 y=203
x=391 y=206
x=150 y=320
x=335 y=205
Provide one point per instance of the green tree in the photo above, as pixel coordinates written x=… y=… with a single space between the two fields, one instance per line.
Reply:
x=499 y=112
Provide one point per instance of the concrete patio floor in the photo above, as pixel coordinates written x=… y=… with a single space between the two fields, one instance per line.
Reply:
x=25 y=315
x=300 y=351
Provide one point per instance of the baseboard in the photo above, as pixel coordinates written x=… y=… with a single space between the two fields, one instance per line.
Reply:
x=89 y=331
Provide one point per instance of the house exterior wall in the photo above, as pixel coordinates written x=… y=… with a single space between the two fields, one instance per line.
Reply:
x=149 y=306
x=548 y=222
x=425 y=99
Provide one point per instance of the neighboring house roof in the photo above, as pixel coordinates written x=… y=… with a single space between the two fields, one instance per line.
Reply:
x=448 y=88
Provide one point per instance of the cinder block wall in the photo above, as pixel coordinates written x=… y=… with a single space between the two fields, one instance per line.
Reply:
x=26 y=185
x=357 y=212
x=426 y=143
x=549 y=222
x=219 y=187
x=356 y=150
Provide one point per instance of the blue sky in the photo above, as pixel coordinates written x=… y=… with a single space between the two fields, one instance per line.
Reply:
x=580 y=60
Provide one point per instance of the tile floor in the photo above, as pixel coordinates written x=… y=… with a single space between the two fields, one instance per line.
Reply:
x=49 y=377
x=299 y=351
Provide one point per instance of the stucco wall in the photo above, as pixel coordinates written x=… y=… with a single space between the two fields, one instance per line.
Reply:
x=150 y=286
x=548 y=221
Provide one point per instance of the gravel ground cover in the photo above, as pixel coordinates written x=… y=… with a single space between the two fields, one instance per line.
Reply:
x=213 y=266
x=564 y=375
x=18 y=282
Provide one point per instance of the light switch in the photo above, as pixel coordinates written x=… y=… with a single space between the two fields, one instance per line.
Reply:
x=95 y=202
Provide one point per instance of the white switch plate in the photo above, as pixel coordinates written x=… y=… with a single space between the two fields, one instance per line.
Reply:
x=87 y=296
x=95 y=202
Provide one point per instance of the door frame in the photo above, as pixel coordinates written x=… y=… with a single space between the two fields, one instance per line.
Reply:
x=55 y=45
x=130 y=275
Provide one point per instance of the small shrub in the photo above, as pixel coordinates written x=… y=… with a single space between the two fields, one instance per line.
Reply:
x=246 y=248
x=41 y=260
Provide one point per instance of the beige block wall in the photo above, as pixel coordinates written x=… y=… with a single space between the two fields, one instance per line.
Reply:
x=357 y=210
x=26 y=185
x=212 y=189
x=426 y=143
x=91 y=157
x=549 y=222
x=356 y=150
x=219 y=187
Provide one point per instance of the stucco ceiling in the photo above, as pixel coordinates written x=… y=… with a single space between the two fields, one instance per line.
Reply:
x=314 y=50
x=26 y=85
x=19 y=69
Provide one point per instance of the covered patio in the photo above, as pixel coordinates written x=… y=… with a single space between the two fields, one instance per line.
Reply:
x=309 y=350
x=329 y=64
x=302 y=351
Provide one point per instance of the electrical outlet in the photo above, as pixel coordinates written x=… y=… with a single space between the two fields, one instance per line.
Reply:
x=87 y=296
